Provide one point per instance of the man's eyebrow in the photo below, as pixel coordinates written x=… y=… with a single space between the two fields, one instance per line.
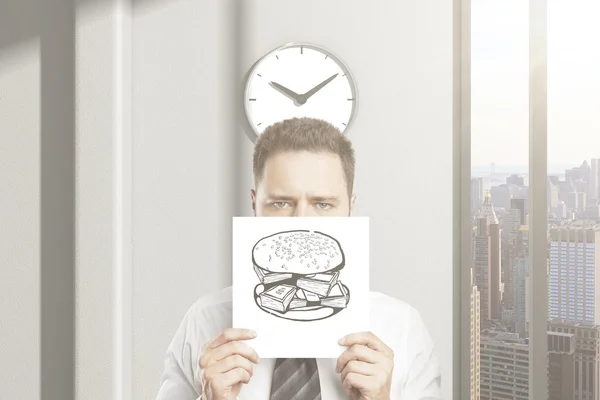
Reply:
x=325 y=198
x=278 y=197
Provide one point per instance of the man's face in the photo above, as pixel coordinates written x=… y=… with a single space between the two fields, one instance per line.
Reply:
x=302 y=184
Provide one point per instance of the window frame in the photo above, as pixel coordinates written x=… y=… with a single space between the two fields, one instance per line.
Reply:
x=538 y=223
x=538 y=220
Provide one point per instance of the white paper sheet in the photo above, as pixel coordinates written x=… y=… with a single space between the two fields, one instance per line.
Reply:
x=314 y=250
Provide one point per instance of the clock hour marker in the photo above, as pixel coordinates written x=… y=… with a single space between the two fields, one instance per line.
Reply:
x=326 y=57
x=344 y=75
x=259 y=75
x=301 y=50
x=350 y=99
x=259 y=124
x=343 y=124
x=276 y=56
x=255 y=99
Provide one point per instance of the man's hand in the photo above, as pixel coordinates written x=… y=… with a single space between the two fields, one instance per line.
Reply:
x=227 y=364
x=366 y=367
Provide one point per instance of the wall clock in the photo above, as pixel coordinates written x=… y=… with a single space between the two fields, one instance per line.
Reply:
x=300 y=80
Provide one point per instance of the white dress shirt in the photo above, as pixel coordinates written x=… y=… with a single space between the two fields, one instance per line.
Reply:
x=416 y=373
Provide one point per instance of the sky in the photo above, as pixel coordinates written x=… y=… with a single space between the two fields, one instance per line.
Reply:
x=500 y=75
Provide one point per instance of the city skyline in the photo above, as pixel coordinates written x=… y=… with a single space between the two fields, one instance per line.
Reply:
x=500 y=128
x=524 y=169
x=500 y=278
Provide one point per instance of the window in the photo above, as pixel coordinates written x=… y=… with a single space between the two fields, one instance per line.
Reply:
x=500 y=111
x=500 y=179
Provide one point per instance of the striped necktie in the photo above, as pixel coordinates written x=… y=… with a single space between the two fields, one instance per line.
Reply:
x=295 y=379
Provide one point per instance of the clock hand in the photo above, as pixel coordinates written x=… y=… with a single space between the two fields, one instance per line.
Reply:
x=319 y=87
x=288 y=92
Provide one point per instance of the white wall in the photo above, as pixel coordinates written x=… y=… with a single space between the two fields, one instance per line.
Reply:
x=192 y=164
x=36 y=199
x=190 y=161
x=103 y=212
x=185 y=186
x=20 y=221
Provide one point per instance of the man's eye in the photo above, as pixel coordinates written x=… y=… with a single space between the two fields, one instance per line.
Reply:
x=323 y=206
x=280 y=204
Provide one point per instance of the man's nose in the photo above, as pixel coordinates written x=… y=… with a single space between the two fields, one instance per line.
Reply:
x=302 y=210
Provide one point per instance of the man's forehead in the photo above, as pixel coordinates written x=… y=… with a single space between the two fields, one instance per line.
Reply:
x=298 y=157
x=279 y=193
x=303 y=174
x=302 y=186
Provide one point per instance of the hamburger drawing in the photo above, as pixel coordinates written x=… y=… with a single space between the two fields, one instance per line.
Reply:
x=299 y=273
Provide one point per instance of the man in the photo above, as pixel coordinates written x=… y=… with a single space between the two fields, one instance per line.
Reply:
x=302 y=167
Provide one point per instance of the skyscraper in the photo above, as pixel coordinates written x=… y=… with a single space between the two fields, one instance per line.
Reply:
x=504 y=366
x=495 y=295
x=581 y=186
x=572 y=287
x=508 y=262
x=561 y=364
x=502 y=194
x=481 y=265
x=510 y=229
x=515 y=179
x=521 y=282
x=519 y=204
x=574 y=357
x=552 y=197
x=477 y=193
x=581 y=202
x=564 y=188
x=572 y=201
x=475 y=341
x=594 y=184
x=592 y=211
x=581 y=173
x=487 y=261
x=561 y=210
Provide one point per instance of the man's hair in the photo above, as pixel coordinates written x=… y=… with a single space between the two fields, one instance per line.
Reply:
x=304 y=134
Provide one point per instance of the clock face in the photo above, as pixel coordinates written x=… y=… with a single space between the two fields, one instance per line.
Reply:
x=300 y=80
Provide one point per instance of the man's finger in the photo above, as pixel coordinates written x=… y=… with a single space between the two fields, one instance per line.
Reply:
x=227 y=364
x=211 y=356
x=359 y=367
x=367 y=339
x=230 y=378
x=232 y=348
x=357 y=381
x=230 y=335
x=358 y=352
